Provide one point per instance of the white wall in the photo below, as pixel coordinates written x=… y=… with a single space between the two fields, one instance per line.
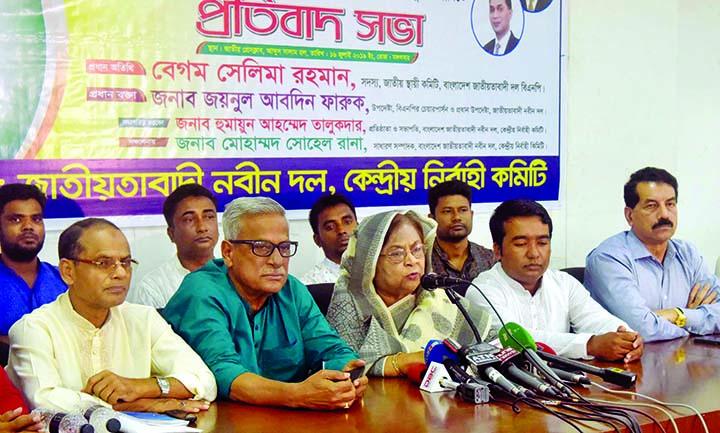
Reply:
x=642 y=89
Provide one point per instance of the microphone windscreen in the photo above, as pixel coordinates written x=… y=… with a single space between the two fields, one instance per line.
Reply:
x=522 y=339
x=427 y=281
x=436 y=351
x=416 y=372
x=542 y=347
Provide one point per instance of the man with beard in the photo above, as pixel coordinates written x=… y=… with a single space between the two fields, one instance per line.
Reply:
x=333 y=220
x=25 y=282
x=552 y=305
x=660 y=286
x=453 y=254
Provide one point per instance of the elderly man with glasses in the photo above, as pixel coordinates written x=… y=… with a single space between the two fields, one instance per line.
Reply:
x=90 y=347
x=256 y=326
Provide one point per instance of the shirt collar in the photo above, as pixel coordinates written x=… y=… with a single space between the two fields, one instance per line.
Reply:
x=332 y=265
x=504 y=41
x=78 y=320
x=514 y=284
x=640 y=251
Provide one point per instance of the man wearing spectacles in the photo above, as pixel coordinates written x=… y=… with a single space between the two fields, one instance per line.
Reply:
x=26 y=282
x=257 y=327
x=89 y=347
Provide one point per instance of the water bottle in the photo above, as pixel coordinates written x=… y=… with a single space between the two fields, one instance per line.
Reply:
x=103 y=419
x=59 y=422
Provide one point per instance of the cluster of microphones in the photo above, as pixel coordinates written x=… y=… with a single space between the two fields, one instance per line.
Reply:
x=522 y=369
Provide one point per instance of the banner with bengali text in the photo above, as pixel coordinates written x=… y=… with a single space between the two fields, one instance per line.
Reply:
x=109 y=106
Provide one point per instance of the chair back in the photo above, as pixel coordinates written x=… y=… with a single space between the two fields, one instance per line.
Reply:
x=578 y=273
x=322 y=293
x=4 y=353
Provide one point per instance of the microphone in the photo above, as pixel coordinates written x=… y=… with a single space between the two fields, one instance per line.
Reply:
x=572 y=377
x=471 y=392
x=507 y=357
x=438 y=351
x=617 y=376
x=517 y=337
x=432 y=281
x=482 y=360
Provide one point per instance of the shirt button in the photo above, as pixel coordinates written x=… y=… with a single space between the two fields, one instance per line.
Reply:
x=256 y=345
x=257 y=327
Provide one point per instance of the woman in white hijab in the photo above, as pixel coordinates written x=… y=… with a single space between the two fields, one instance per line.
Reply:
x=379 y=307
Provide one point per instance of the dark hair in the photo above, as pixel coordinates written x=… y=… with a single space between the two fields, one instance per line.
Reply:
x=507 y=2
x=181 y=193
x=69 y=246
x=408 y=219
x=516 y=208
x=20 y=191
x=324 y=202
x=647 y=174
x=444 y=189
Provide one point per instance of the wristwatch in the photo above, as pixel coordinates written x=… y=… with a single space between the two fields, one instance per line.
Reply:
x=681 y=320
x=164 y=385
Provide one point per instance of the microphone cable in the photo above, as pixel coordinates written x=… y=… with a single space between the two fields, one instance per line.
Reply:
x=660 y=402
x=621 y=412
x=649 y=405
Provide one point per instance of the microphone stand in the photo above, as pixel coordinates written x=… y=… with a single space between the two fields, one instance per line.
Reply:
x=455 y=299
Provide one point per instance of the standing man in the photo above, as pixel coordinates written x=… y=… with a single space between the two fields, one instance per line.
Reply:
x=25 y=282
x=552 y=305
x=191 y=215
x=500 y=15
x=333 y=221
x=453 y=254
x=659 y=285
x=88 y=347
x=258 y=328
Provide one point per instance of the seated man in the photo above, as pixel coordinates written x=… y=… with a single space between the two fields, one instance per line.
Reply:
x=88 y=347
x=658 y=284
x=333 y=221
x=453 y=254
x=548 y=303
x=191 y=215
x=257 y=327
x=25 y=282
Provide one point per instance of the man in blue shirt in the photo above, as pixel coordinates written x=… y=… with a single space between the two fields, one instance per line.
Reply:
x=258 y=328
x=25 y=282
x=659 y=285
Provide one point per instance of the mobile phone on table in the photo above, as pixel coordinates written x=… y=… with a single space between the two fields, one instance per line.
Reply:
x=356 y=373
x=181 y=414
x=713 y=340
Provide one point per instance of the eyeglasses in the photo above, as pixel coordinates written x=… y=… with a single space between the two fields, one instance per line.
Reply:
x=265 y=248
x=398 y=256
x=110 y=265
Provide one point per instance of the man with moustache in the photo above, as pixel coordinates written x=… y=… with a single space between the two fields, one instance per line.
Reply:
x=333 y=220
x=90 y=347
x=25 y=282
x=552 y=305
x=256 y=326
x=659 y=285
x=453 y=254
x=500 y=15
x=191 y=215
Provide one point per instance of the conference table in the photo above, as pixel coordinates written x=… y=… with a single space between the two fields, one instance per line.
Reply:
x=677 y=371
